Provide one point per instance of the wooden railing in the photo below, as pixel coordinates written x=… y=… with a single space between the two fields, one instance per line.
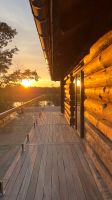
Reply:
x=12 y=110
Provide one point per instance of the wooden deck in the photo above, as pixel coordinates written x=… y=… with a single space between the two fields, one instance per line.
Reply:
x=12 y=135
x=54 y=166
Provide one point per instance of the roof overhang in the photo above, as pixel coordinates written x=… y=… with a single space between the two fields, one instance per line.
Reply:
x=68 y=28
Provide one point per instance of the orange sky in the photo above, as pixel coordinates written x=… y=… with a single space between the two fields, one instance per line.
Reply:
x=17 y=13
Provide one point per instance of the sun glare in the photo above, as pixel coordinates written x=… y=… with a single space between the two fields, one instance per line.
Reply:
x=26 y=83
x=78 y=83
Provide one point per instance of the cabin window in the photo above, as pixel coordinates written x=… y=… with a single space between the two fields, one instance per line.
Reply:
x=79 y=103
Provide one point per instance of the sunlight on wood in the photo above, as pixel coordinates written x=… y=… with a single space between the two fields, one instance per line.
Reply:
x=78 y=83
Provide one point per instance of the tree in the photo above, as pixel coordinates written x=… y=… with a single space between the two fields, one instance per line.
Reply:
x=28 y=74
x=17 y=76
x=6 y=55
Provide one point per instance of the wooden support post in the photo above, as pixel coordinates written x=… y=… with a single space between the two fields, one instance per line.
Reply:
x=76 y=101
x=62 y=95
x=72 y=100
x=82 y=105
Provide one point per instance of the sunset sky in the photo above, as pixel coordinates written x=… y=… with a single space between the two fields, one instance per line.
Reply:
x=17 y=13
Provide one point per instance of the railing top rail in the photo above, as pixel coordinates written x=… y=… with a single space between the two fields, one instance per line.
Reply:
x=8 y=112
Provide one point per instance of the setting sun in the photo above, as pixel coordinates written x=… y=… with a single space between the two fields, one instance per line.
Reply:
x=26 y=83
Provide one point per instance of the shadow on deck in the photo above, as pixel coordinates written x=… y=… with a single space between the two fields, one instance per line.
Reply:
x=54 y=166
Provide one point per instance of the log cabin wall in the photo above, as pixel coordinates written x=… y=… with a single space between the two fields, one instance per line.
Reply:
x=95 y=104
x=69 y=100
x=98 y=106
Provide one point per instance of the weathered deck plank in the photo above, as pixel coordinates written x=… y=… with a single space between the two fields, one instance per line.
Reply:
x=41 y=177
x=34 y=178
x=85 y=175
x=54 y=166
x=55 y=175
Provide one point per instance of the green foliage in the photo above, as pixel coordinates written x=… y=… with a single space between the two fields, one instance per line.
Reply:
x=28 y=74
x=6 y=55
x=6 y=34
x=17 y=76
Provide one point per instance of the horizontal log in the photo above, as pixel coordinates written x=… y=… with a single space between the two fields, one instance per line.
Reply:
x=65 y=78
x=67 y=91
x=94 y=106
x=103 y=110
x=66 y=114
x=67 y=118
x=67 y=87
x=99 y=46
x=70 y=102
x=94 y=66
x=70 y=112
x=102 y=61
x=71 y=99
x=68 y=81
x=106 y=57
x=67 y=96
x=99 y=166
x=66 y=84
x=66 y=102
x=99 y=93
x=68 y=105
x=102 y=78
x=67 y=99
x=100 y=145
x=70 y=120
x=87 y=59
x=102 y=125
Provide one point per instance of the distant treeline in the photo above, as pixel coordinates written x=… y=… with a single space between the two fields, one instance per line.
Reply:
x=8 y=95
